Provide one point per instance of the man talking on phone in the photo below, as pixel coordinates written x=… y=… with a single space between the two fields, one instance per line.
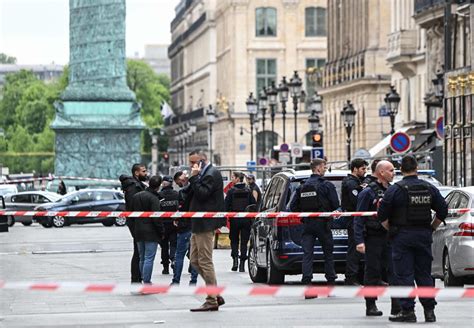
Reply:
x=206 y=195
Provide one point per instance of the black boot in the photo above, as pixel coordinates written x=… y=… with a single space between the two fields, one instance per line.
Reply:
x=242 y=265
x=373 y=311
x=166 y=270
x=235 y=264
x=404 y=316
x=430 y=316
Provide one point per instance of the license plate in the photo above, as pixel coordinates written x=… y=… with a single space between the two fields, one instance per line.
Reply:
x=339 y=232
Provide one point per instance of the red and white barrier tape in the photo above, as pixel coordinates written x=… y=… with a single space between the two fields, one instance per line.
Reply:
x=288 y=217
x=256 y=290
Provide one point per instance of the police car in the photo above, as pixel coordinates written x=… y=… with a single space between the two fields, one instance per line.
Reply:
x=275 y=246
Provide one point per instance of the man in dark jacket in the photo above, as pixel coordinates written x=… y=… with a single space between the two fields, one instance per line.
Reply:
x=132 y=185
x=206 y=195
x=169 y=203
x=256 y=192
x=148 y=231
x=237 y=200
x=350 y=188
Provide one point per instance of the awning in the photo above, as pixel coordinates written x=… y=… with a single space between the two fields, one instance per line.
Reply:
x=385 y=142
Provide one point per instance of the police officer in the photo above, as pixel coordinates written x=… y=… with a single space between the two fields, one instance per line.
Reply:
x=169 y=203
x=371 y=238
x=371 y=177
x=351 y=186
x=237 y=199
x=316 y=195
x=406 y=211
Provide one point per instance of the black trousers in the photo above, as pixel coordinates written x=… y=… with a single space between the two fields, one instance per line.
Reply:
x=135 y=262
x=378 y=266
x=312 y=230
x=353 y=257
x=239 y=231
x=168 y=244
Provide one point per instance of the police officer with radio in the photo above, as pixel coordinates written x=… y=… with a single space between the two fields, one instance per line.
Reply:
x=316 y=195
x=169 y=203
x=350 y=189
x=371 y=237
x=406 y=211
x=237 y=199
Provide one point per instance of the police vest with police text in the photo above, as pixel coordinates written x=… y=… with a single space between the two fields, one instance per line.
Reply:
x=170 y=200
x=417 y=212
x=240 y=199
x=310 y=200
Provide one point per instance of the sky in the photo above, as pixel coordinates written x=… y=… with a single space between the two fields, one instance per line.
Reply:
x=37 y=31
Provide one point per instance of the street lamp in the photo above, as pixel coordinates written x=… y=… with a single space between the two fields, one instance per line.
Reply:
x=348 y=112
x=314 y=121
x=295 y=89
x=392 y=101
x=316 y=103
x=252 y=110
x=272 y=94
x=211 y=119
x=262 y=105
x=283 y=94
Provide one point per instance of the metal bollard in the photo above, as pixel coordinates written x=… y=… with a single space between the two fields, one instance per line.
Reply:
x=3 y=218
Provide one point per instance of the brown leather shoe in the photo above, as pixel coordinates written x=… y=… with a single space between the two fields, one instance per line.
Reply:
x=206 y=307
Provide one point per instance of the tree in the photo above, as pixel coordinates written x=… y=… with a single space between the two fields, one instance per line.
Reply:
x=5 y=59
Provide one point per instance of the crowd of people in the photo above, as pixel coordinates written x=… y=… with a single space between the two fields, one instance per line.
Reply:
x=395 y=246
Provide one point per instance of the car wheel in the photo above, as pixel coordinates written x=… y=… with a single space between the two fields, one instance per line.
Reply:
x=27 y=223
x=449 y=278
x=108 y=223
x=59 y=221
x=48 y=223
x=10 y=220
x=274 y=276
x=120 y=222
x=256 y=274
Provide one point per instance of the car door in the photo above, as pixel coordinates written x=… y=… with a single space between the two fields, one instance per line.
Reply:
x=440 y=235
x=104 y=201
x=259 y=225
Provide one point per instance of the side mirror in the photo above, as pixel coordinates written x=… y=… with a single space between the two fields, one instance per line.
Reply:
x=251 y=208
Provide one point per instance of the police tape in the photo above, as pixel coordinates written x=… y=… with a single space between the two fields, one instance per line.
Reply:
x=288 y=217
x=256 y=290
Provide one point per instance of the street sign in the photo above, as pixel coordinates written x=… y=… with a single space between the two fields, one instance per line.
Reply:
x=251 y=165
x=284 y=147
x=383 y=111
x=263 y=161
x=284 y=157
x=440 y=128
x=400 y=142
x=296 y=150
x=317 y=152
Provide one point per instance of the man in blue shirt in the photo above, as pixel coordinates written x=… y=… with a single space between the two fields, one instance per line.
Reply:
x=371 y=238
x=406 y=211
x=316 y=195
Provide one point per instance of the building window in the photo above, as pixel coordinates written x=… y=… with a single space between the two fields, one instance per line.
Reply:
x=314 y=80
x=315 y=21
x=265 y=21
x=266 y=73
x=269 y=138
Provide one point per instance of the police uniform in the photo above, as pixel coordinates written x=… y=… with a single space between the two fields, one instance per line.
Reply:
x=169 y=203
x=407 y=206
x=316 y=195
x=378 y=258
x=237 y=200
x=350 y=189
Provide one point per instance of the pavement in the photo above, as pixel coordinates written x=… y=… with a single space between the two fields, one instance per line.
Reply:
x=94 y=253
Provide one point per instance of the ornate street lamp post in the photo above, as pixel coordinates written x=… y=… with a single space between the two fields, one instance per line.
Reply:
x=348 y=112
x=392 y=101
x=295 y=90
x=262 y=105
x=252 y=110
x=211 y=119
x=272 y=94
x=283 y=94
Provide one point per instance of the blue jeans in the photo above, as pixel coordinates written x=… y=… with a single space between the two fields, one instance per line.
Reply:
x=182 y=246
x=147 y=251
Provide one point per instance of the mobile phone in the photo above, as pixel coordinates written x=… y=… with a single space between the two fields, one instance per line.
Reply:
x=202 y=162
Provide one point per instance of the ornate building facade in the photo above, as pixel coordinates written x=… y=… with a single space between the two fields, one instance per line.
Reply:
x=230 y=48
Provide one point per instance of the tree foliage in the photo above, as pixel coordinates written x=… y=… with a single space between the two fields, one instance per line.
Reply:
x=5 y=59
x=26 y=112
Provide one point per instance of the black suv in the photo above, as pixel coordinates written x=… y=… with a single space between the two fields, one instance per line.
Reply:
x=275 y=244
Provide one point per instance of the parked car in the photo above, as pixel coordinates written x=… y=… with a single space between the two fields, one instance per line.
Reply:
x=84 y=200
x=27 y=201
x=445 y=190
x=453 y=243
x=275 y=247
x=6 y=189
x=426 y=175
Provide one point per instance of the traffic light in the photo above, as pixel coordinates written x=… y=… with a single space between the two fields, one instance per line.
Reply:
x=165 y=156
x=317 y=139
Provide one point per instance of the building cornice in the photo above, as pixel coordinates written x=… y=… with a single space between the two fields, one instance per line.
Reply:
x=356 y=85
